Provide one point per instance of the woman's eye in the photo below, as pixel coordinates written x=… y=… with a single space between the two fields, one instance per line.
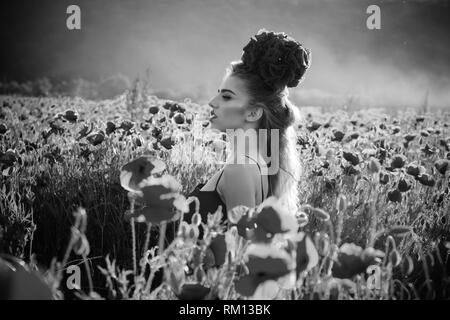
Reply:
x=226 y=98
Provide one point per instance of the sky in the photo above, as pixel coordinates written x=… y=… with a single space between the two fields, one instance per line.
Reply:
x=187 y=44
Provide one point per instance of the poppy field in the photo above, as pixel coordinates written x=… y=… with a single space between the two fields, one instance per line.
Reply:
x=102 y=186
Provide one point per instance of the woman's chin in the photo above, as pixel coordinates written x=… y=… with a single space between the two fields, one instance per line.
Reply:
x=214 y=125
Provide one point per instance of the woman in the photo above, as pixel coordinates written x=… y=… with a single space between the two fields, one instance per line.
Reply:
x=253 y=95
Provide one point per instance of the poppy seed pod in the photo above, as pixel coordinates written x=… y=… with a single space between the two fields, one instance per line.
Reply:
x=341 y=203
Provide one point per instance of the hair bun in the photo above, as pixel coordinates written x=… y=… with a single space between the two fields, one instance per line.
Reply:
x=277 y=58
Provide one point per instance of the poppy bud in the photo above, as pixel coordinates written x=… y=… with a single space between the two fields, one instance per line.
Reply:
x=408 y=265
x=400 y=231
x=196 y=219
x=341 y=203
x=395 y=258
x=374 y=165
x=193 y=232
x=321 y=214
x=199 y=274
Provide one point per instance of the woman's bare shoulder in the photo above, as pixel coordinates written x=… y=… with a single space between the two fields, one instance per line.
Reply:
x=241 y=173
x=238 y=184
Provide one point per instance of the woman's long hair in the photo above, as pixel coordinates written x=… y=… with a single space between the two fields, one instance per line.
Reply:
x=278 y=113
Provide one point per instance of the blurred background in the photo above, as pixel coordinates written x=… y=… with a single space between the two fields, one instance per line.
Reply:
x=182 y=48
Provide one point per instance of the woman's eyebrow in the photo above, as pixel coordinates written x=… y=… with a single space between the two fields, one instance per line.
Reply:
x=226 y=90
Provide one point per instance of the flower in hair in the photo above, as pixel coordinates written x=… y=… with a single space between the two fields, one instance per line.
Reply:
x=277 y=58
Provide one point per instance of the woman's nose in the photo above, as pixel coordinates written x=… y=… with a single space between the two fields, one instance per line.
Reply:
x=212 y=105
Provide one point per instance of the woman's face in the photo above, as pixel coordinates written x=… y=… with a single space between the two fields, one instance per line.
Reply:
x=229 y=107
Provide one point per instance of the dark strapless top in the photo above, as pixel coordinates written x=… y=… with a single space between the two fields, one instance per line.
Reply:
x=210 y=200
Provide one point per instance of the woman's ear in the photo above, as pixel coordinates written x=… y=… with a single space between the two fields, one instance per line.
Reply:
x=254 y=113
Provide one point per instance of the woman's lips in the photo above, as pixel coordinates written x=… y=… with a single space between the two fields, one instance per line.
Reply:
x=212 y=116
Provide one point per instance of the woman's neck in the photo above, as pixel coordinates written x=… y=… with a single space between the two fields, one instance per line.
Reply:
x=243 y=144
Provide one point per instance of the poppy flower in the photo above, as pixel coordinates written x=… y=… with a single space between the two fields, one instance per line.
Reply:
x=160 y=197
x=110 y=127
x=350 y=170
x=218 y=247
x=8 y=158
x=351 y=157
x=428 y=150
x=398 y=161
x=404 y=185
x=264 y=263
x=396 y=129
x=167 y=142
x=71 y=116
x=96 y=138
x=420 y=118
x=442 y=165
x=3 y=128
x=145 y=126
x=139 y=169
x=193 y=291
x=179 y=118
x=126 y=125
x=415 y=170
x=338 y=135
x=274 y=217
x=153 y=109
x=424 y=133
x=174 y=107
x=157 y=133
x=409 y=137
x=352 y=260
x=85 y=131
x=395 y=196
x=427 y=180
x=444 y=143
x=56 y=126
x=246 y=223
x=313 y=126
x=17 y=282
